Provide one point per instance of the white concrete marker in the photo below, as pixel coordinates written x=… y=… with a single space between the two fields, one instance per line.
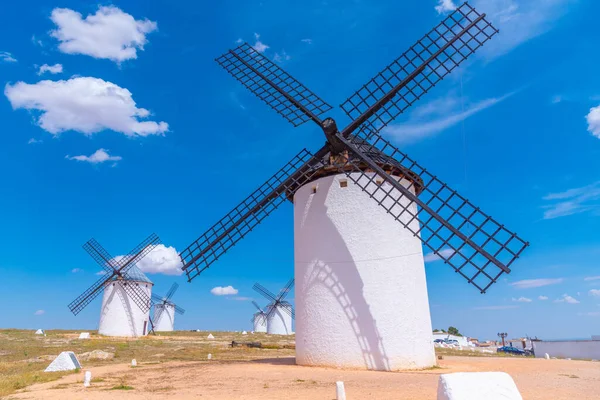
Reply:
x=87 y=378
x=39 y=332
x=84 y=335
x=477 y=386
x=209 y=356
x=66 y=361
x=244 y=333
x=340 y=391
x=134 y=363
x=210 y=336
x=547 y=356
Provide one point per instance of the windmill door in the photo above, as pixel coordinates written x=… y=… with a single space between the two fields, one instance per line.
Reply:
x=145 y=326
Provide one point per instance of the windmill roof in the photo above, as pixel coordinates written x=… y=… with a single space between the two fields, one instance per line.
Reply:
x=136 y=274
x=392 y=166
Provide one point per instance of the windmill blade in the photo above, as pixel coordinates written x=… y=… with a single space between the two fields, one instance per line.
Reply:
x=90 y=294
x=172 y=291
x=286 y=290
x=265 y=292
x=256 y=305
x=151 y=326
x=279 y=90
x=137 y=294
x=455 y=230
x=157 y=298
x=248 y=214
x=419 y=69
x=137 y=253
x=157 y=314
x=179 y=310
x=99 y=254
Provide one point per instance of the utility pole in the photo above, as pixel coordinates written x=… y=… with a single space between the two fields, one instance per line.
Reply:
x=503 y=335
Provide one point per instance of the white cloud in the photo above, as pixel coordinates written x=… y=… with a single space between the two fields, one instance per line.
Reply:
x=224 y=290
x=436 y=116
x=572 y=201
x=307 y=41
x=533 y=283
x=110 y=33
x=34 y=141
x=567 y=299
x=445 y=6
x=281 y=57
x=98 y=157
x=556 y=99
x=595 y=292
x=76 y=270
x=101 y=273
x=591 y=278
x=495 y=308
x=53 y=69
x=446 y=253
x=5 y=56
x=240 y=298
x=83 y=104
x=543 y=298
x=522 y=300
x=162 y=260
x=39 y=312
x=37 y=41
x=593 y=120
x=590 y=314
x=519 y=21
x=239 y=41
x=259 y=46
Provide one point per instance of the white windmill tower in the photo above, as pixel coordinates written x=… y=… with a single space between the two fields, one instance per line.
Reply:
x=259 y=319
x=164 y=311
x=362 y=207
x=126 y=291
x=279 y=312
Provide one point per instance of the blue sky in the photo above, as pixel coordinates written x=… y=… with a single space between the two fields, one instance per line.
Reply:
x=173 y=143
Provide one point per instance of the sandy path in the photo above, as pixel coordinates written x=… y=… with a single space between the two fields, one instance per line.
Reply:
x=280 y=379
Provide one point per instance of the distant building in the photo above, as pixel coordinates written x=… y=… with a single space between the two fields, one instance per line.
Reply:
x=462 y=340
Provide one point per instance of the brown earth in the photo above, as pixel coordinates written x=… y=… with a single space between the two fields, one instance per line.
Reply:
x=279 y=378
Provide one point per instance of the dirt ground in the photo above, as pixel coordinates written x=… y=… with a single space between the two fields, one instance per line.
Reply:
x=280 y=378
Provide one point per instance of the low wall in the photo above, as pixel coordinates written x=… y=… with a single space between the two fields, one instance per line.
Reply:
x=587 y=349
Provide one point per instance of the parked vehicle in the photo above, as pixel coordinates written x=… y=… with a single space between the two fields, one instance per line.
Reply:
x=511 y=350
x=438 y=341
x=451 y=341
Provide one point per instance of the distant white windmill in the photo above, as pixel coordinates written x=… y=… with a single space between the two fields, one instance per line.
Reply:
x=164 y=311
x=126 y=300
x=279 y=312
x=259 y=320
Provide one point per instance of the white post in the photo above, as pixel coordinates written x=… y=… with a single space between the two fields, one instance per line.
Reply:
x=87 y=378
x=209 y=356
x=340 y=392
x=134 y=363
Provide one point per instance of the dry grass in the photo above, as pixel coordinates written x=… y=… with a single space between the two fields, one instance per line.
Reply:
x=24 y=355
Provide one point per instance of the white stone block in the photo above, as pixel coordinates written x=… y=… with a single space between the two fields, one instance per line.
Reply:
x=340 y=391
x=66 y=361
x=477 y=386
x=134 y=363
x=209 y=356
x=87 y=379
x=244 y=333
x=210 y=336
x=547 y=356
x=84 y=335
x=39 y=332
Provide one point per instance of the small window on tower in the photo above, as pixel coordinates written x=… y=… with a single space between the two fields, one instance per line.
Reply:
x=343 y=183
x=314 y=189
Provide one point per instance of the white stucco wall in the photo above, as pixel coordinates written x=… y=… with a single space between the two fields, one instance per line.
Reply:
x=279 y=322
x=166 y=320
x=361 y=295
x=462 y=340
x=259 y=323
x=586 y=349
x=119 y=315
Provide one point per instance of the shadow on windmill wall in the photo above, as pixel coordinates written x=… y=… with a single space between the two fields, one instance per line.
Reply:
x=342 y=282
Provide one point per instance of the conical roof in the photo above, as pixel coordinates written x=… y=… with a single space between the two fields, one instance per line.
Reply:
x=135 y=274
